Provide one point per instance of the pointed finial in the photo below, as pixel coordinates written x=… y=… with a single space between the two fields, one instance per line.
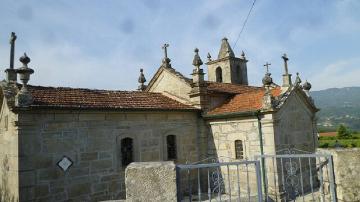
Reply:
x=24 y=97
x=307 y=86
x=209 y=57
x=197 y=62
x=242 y=55
x=267 y=80
x=285 y=58
x=142 y=80
x=25 y=60
x=166 y=61
x=297 y=80
x=225 y=49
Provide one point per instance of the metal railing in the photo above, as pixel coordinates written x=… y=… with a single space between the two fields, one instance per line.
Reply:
x=298 y=177
x=230 y=181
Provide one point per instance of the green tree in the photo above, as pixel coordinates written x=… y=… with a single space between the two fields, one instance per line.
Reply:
x=343 y=132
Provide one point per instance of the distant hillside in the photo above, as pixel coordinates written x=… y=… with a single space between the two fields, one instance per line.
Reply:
x=338 y=106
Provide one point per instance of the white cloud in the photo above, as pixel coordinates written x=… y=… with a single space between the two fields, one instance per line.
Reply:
x=344 y=73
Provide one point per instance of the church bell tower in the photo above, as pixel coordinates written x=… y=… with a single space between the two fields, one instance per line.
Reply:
x=227 y=68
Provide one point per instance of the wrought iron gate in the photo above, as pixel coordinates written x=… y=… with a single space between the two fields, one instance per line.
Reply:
x=298 y=177
x=230 y=181
x=280 y=177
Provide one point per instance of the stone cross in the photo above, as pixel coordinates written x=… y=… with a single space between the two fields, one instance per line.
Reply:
x=12 y=49
x=285 y=58
x=165 y=46
x=267 y=67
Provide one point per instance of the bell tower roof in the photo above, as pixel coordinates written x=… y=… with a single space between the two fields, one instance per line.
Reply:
x=225 y=49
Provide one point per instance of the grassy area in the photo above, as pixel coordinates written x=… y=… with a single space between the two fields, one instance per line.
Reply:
x=345 y=138
x=330 y=142
x=342 y=142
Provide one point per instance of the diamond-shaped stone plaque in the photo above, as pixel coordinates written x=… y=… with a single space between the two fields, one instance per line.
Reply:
x=65 y=163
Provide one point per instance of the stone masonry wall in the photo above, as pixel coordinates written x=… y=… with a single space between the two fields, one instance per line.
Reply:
x=8 y=155
x=346 y=170
x=92 y=141
x=222 y=145
x=172 y=86
x=151 y=181
x=294 y=126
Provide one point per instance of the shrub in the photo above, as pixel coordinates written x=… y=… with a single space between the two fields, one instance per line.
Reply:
x=324 y=145
x=343 y=132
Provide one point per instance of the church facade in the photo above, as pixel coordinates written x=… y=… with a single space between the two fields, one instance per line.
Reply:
x=74 y=144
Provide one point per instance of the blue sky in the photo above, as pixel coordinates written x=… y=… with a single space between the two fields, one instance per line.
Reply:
x=102 y=44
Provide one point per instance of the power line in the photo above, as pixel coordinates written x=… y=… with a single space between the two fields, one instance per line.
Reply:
x=243 y=27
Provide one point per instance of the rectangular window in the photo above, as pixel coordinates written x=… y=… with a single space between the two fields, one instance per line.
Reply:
x=239 y=149
x=126 y=151
x=171 y=147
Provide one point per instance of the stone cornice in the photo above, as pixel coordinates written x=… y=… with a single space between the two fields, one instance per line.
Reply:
x=225 y=58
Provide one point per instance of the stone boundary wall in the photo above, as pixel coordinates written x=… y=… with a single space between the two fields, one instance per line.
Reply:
x=151 y=181
x=92 y=141
x=346 y=169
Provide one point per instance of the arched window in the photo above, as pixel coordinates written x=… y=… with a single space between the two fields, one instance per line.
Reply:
x=219 y=75
x=239 y=152
x=171 y=147
x=127 y=151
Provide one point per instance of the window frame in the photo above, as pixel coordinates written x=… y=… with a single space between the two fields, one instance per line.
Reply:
x=218 y=75
x=239 y=154
x=174 y=146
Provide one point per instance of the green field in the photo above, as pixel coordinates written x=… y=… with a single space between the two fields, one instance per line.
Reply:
x=330 y=142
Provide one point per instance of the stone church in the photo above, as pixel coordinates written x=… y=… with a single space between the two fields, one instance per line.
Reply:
x=61 y=143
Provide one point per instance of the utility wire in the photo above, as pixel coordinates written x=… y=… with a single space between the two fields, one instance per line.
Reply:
x=243 y=27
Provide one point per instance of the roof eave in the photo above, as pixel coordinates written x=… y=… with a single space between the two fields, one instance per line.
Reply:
x=17 y=109
x=232 y=114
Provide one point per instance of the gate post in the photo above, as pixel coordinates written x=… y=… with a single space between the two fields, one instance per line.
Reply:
x=258 y=178
x=332 y=179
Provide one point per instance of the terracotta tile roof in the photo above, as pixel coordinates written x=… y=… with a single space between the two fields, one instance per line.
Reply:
x=250 y=100
x=60 y=97
x=328 y=134
x=215 y=87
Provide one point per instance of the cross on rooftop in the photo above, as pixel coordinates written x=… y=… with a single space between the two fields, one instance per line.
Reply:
x=12 y=49
x=165 y=46
x=285 y=58
x=267 y=67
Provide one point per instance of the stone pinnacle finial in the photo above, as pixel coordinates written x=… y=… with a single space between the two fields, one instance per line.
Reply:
x=142 y=80
x=225 y=49
x=209 y=57
x=307 y=86
x=25 y=60
x=197 y=62
x=242 y=55
x=297 y=80
x=267 y=100
x=24 y=97
x=166 y=61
